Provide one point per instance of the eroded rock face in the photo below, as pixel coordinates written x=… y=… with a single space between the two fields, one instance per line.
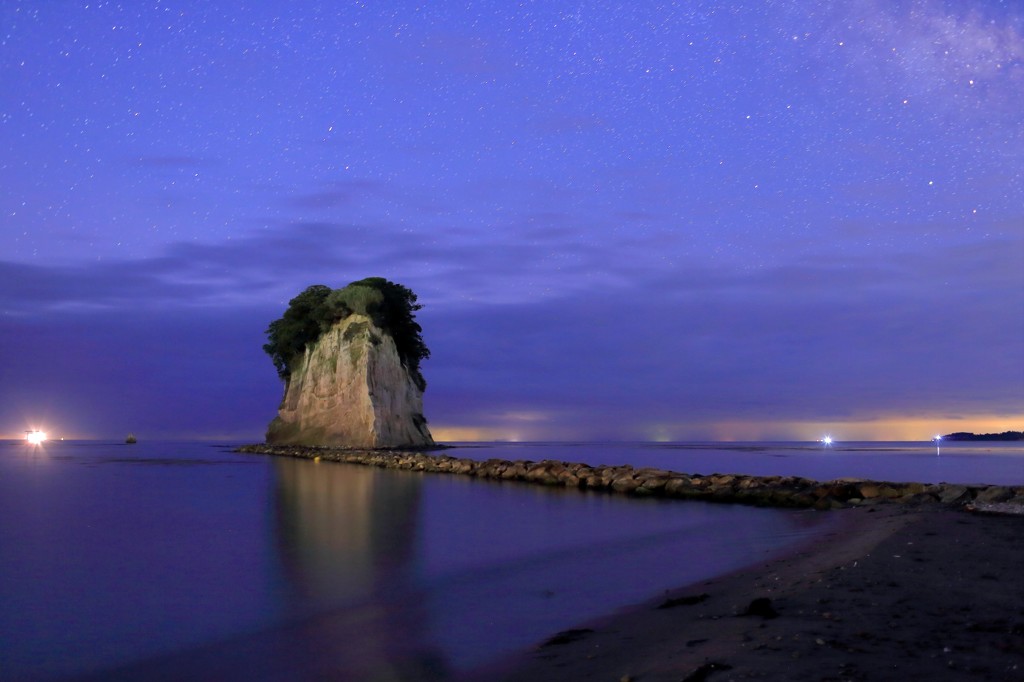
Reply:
x=351 y=390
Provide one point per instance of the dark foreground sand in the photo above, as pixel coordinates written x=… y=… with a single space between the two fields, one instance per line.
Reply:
x=895 y=594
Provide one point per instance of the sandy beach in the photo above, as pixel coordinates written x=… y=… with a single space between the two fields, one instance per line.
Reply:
x=895 y=593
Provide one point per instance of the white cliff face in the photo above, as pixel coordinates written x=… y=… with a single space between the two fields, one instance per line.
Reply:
x=351 y=390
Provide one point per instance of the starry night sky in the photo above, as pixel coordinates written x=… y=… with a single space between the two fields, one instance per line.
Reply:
x=642 y=220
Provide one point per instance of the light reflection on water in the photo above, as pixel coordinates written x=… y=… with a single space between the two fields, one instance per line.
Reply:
x=450 y=572
x=188 y=561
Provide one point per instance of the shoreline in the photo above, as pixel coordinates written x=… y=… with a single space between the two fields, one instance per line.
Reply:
x=909 y=586
x=894 y=593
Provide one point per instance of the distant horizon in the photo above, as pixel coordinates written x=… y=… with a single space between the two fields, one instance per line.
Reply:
x=530 y=426
x=835 y=441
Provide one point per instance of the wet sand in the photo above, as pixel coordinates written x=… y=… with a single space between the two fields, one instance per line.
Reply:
x=896 y=593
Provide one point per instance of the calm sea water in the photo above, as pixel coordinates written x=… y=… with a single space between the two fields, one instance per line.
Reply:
x=189 y=561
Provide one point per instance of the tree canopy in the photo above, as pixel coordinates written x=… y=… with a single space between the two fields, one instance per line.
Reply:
x=392 y=307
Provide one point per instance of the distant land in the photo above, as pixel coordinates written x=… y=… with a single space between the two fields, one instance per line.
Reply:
x=1005 y=435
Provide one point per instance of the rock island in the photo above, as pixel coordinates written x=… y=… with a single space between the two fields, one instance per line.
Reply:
x=349 y=359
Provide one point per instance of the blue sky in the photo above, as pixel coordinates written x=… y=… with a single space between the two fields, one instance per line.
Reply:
x=658 y=220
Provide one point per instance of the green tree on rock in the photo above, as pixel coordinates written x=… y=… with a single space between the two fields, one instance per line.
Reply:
x=392 y=307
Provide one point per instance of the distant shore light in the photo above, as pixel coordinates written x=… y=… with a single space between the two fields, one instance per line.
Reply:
x=35 y=437
x=827 y=440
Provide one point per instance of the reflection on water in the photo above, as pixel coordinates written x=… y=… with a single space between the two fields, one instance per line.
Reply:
x=413 y=577
x=184 y=561
x=346 y=541
x=343 y=533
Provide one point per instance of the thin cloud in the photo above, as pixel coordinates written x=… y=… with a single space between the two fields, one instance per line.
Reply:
x=337 y=194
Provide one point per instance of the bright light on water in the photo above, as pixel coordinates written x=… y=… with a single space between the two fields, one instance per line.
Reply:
x=35 y=437
x=827 y=440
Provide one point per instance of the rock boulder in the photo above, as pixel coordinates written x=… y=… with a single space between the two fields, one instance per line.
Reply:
x=351 y=389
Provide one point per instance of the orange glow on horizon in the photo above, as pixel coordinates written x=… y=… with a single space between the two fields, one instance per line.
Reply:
x=472 y=434
x=854 y=429
x=904 y=429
